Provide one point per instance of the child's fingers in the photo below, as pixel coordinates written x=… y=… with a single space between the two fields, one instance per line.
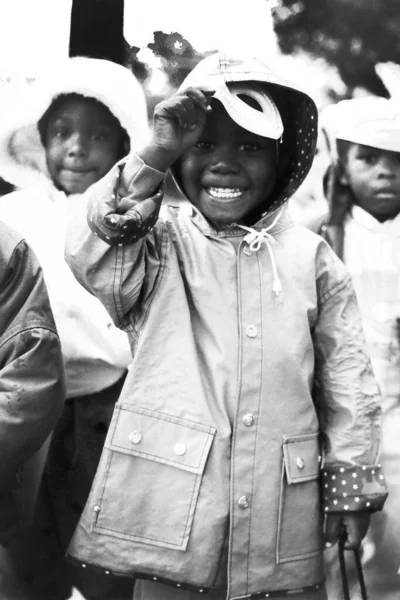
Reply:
x=332 y=528
x=199 y=98
x=189 y=113
x=353 y=526
x=197 y=108
x=356 y=526
x=181 y=109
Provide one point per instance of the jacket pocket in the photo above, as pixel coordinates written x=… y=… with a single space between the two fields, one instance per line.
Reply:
x=300 y=533
x=153 y=476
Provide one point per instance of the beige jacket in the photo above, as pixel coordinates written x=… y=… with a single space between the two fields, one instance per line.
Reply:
x=237 y=398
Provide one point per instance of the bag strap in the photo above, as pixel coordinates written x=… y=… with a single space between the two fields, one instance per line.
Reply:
x=343 y=570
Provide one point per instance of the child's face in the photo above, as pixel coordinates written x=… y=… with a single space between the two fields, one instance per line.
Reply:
x=230 y=171
x=373 y=176
x=82 y=143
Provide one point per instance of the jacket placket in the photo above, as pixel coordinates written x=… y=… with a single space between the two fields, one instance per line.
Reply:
x=246 y=422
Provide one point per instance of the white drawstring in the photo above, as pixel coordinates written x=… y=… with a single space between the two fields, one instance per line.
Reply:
x=256 y=238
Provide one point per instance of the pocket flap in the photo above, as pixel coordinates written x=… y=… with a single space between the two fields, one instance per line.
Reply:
x=301 y=454
x=159 y=437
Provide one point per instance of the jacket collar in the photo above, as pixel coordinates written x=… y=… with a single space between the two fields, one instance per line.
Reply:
x=366 y=220
x=22 y=155
x=234 y=230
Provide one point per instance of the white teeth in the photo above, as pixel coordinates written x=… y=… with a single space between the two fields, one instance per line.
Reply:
x=224 y=192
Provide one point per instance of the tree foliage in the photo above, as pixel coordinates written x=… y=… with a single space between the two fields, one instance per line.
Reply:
x=140 y=70
x=177 y=55
x=352 y=34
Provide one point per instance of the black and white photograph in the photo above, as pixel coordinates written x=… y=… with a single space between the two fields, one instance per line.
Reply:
x=199 y=300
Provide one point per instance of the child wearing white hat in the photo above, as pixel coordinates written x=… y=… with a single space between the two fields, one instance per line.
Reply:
x=364 y=228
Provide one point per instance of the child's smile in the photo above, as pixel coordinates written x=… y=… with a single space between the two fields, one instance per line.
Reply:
x=225 y=193
x=230 y=171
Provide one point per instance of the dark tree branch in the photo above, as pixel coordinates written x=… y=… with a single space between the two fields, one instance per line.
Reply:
x=97 y=29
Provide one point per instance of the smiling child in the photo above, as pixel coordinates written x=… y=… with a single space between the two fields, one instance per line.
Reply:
x=209 y=480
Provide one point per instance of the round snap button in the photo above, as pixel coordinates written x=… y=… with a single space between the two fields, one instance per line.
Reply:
x=248 y=420
x=251 y=331
x=96 y=509
x=180 y=449
x=243 y=502
x=135 y=437
x=300 y=463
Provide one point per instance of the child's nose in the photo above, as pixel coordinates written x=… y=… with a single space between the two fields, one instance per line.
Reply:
x=77 y=146
x=388 y=166
x=224 y=161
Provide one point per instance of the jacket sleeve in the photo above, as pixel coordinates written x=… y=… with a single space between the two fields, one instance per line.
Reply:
x=347 y=396
x=32 y=385
x=116 y=252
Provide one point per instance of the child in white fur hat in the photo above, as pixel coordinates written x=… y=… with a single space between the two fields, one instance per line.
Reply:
x=77 y=122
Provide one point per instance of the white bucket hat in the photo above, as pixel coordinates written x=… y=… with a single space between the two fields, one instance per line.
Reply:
x=371 y=122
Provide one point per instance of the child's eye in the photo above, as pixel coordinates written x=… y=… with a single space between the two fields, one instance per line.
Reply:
x=60 y=132
x=99 y=136
x=369 y=159
x=204 y=145
x=249 y=147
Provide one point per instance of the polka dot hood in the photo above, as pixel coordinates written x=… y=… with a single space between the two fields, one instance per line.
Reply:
x=297 y=110
x=22 y=155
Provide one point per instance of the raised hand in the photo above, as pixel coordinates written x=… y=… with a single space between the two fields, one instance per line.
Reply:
x=177 y=125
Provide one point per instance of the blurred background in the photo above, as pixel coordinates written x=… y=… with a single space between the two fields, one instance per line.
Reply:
x=331 y=46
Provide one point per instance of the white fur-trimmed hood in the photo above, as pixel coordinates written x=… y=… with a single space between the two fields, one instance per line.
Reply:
x=22 y=156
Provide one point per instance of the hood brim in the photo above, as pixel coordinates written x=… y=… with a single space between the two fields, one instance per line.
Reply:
x=298 y=112
x=22 y=155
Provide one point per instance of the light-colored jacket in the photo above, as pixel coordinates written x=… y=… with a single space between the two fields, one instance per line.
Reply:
x=96 y=353
x=32 y=384
x=368 y=248
x=371 y=251
x=237 y=393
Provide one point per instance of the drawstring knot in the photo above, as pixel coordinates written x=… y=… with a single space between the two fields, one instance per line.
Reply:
x=255 y=239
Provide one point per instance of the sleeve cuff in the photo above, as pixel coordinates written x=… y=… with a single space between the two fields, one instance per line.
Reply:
x=139 y=217
x=355 y=488
x=138 y=180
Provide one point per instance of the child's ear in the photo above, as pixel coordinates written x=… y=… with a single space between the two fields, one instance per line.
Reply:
x=341 y=174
